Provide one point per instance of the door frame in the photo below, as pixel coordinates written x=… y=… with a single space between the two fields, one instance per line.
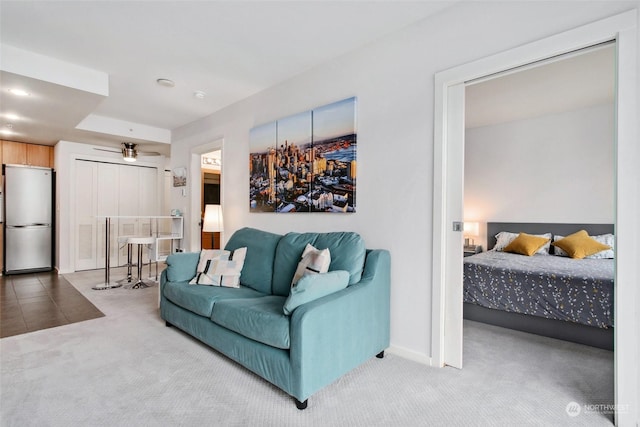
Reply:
x=446 y=338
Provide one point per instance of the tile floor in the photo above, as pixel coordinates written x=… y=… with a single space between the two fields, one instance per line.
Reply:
x=30 y=302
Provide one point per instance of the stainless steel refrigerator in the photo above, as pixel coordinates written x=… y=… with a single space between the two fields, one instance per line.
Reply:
x=28 y=219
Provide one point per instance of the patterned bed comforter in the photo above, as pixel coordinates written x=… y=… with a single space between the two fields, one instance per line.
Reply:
x=576 y=290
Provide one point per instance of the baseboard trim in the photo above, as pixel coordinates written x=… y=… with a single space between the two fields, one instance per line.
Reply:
x=410 y=355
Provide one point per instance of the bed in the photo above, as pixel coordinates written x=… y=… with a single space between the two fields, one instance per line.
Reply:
x=548 y=295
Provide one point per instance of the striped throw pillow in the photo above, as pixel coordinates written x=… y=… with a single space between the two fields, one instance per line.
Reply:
x=220 y=268
x=314 y=261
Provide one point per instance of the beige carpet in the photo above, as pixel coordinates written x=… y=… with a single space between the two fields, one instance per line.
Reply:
x=128 y=369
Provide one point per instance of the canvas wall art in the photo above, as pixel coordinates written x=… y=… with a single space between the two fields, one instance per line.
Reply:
x=180 y=177
x=305 y=162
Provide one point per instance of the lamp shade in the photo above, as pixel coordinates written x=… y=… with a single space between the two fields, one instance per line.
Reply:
x=471 y=228
x=212 y=219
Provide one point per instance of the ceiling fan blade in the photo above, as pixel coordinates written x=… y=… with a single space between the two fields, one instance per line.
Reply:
x=129 y=146
x=106 y=149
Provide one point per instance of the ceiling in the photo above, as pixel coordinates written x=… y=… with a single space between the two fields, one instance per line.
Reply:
x=118 y=49
x=570 y=82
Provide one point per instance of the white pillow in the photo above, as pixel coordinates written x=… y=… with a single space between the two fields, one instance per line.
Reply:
x=314 y=261
x=606 y=239
x=503 y=238
x=220 y=268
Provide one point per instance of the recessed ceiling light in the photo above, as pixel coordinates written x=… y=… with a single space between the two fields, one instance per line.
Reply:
x=199 y=94
x=19 y=92
x=166 y=82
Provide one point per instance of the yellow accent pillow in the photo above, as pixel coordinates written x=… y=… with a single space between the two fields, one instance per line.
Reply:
x=526 y=244
x=579 y=245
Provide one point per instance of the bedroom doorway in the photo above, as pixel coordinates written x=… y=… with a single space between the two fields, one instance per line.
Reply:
x=448 y=152
x=558 y=114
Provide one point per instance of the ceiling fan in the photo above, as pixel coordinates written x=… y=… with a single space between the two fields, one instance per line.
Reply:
x=129 y=152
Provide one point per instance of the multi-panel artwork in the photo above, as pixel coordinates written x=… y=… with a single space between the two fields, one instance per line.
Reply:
x=305 y=162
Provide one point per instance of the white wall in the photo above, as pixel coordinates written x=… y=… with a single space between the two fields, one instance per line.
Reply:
x=393 y=81
x=553 y=168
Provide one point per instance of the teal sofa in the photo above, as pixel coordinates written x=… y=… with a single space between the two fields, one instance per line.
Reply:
x=318 y=342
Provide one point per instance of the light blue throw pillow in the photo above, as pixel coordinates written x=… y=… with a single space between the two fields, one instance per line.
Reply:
x=312 y=287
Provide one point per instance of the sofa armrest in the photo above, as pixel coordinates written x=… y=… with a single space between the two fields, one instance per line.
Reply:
x=334 y=334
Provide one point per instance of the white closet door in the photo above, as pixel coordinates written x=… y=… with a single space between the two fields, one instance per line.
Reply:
x=148 y=198
x=106 y=204
x=128 y=182
x=108 y=189
x=164 y=246
x=128 y=199
x=86 y=244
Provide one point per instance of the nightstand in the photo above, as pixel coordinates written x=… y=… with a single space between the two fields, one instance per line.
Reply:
x=472 y=250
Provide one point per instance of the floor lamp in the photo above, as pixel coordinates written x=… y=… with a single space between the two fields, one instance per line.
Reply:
x=213 y=220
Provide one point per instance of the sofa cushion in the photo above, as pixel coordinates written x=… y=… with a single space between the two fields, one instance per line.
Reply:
x=200 y=299
x=260 y=319
x=220 y=268
x=347 y=250
x=314 y=286
x=257 y=271
x=182 y=266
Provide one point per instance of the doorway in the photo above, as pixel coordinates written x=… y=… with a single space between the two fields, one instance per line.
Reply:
x=448 y=170
x=202 y=162
x=539 y=147
x=211 y=176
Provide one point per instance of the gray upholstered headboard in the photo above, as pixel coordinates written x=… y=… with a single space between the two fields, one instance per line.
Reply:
x=494 y=228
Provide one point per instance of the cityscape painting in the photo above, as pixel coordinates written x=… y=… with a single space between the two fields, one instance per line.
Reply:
x=305 y=162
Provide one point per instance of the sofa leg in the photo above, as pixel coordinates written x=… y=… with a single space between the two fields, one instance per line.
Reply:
x=301 y=405
x=167 y=324
x=380 y=355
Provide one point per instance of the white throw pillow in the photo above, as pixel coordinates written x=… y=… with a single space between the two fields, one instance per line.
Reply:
x=220 y=268
x=503 y=239
x=314 y=261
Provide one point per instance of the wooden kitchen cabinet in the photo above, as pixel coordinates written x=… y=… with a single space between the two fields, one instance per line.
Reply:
x=39 y=155
x=18 y=153
x=14 y=153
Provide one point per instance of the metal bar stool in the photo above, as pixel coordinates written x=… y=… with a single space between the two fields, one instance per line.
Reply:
x=123 y=240
x=141 y=241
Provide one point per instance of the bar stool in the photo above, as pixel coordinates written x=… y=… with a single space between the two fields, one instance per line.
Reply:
x=123 y=240
x=141 y=241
